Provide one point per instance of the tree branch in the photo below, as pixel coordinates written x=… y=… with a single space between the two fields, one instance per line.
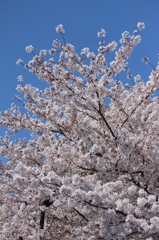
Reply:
x=81 y=214
x=107 y=124
x=42 y=219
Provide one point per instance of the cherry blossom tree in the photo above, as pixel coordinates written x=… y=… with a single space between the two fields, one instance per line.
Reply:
x=90 y=169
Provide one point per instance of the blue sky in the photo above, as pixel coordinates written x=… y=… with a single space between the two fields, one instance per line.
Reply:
x=25 y=22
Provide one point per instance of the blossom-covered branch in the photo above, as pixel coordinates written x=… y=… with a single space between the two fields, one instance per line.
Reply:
x=88 y=166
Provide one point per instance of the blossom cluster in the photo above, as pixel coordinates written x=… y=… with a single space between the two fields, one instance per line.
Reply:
x=89 y=169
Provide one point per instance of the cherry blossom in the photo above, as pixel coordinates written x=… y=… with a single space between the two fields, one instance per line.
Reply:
x=29 y=49
x=88 y=166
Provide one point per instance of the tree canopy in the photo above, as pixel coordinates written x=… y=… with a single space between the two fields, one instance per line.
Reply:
x=90 y=169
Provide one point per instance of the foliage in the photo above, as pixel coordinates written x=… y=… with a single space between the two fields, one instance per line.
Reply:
x=90 y=169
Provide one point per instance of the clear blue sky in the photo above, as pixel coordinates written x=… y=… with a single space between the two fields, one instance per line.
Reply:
x=25 y=22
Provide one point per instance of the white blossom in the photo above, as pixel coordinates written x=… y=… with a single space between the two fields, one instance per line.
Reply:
x=19 y=62
x=112 y=46
x=43 y=53
x=20 y=78
x=102 y=33
x=137 y=78
x=141 y=202
x=52 y=51
x=151 y=198
x=60 y=29
x=92 y=238
x=132 y=190
x=84 y=51
x=29 y=48
x=140 y=26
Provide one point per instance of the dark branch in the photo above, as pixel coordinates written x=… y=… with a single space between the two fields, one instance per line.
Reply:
x=98 y=154
x=42 y=219
x=81 y=214
x=46 y=203
x=107 y=124
x=148 y=95
x=97 y=206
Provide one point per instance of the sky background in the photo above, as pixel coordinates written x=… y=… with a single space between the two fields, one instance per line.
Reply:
x=25 y=22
